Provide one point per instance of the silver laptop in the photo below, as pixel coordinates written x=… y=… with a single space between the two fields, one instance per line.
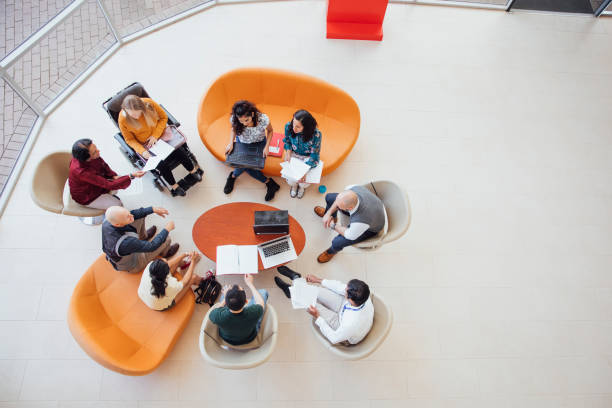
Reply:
x=277 y=251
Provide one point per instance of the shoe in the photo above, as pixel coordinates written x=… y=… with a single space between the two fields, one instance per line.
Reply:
x=300 y=192
x=171 y=251
x=293 y=192
x=325 y=257
x=283 y=270
x=320 y=211
x=200 y=172
x=179 y=191
x=284 y=286
x=151 y=233
x=196 y=176
x=229 y=184
x=272 y=187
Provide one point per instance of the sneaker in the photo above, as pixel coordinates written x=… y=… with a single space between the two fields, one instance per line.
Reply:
x=229 y=184
x=293 y=191
x=300 y=192
x=151 y=232
x=284 y=286
x=291 y=274
x=171 y=251
x=272 y=187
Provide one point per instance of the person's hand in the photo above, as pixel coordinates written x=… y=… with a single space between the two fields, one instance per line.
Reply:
x=150 y=142
x=313 y=279
x=302 y=180
x=287 y=155
x=162 y=212
x=327 y=220
x=313 y=311
x=225 y=289
x=115 y=177
x=146 y=154
x=229 y=148
x=169 y=226
x=265 y=151
x=138 y=174
x=195 y=257
x=248 y=279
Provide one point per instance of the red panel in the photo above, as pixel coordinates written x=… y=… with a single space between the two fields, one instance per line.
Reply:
x=355 y=31
x=356 y=19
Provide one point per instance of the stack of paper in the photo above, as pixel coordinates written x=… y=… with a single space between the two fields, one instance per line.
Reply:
x=296 y=168
x=303 y=294
x=236 y=259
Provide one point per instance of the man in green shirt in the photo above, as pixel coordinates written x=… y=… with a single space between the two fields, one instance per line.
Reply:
x=238 y=321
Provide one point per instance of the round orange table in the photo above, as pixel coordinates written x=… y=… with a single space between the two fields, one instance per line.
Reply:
x=232 y=224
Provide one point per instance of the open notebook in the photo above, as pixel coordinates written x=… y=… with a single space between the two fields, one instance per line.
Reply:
x=236 y=259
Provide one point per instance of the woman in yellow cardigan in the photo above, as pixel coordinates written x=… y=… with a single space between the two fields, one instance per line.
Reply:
x=142 y=123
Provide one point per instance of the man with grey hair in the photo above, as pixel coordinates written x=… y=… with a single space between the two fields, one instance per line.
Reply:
x=365 y=210
x=128 y=245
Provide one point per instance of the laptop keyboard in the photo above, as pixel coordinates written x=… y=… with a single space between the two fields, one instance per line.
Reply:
x=276 y=248
x=248 y=160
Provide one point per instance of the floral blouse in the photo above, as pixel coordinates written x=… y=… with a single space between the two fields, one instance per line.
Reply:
x=256 y=133
x=296 y=144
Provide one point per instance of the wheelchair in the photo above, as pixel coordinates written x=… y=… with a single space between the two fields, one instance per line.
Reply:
x=112 y=106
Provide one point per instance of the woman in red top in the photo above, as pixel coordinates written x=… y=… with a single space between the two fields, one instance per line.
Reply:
x=92 y=182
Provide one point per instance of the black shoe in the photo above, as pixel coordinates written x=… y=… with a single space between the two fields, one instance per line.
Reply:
x=273 y=187
x=178 y=191
x=171 y=251
x=193 y=178
x=200 y=172
x=151 y=232
x=229 y=184
x=283 y=270
x=283 y=286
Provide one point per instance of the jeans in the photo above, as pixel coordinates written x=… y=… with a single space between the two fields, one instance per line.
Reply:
x=256 y=174
x=264 y=294
x=339 y=242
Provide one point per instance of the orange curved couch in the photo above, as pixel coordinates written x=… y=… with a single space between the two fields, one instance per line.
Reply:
x=279 y=94
x=111 y=323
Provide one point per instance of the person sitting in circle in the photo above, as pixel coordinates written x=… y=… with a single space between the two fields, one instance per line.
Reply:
x=159 y=289
x=250 y=126
x=91 y=181
x=303 y=141
x=142 y=122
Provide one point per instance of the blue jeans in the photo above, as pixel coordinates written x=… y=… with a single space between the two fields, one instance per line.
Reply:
x=256 y=174
x=339 y=242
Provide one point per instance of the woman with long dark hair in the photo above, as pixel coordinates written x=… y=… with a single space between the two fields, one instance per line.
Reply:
x=159 y=289
x=303 y=141
x=250 y=126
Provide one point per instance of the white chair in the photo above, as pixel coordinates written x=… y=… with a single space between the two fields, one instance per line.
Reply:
x=397 y=214
x=48 y=189
x=383 y=319
x=221 y=354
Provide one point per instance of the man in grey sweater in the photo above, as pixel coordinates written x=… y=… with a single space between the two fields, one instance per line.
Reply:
x=365 y=210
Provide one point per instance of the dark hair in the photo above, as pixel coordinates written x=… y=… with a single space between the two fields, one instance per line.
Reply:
x=235 y=298
x=309 y=123
x=358 y=291
x=80 y=149
x=243 y=108
x=159 y=270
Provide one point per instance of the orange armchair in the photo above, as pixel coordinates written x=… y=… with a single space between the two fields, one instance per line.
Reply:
x=279 y=94
x=116 y=328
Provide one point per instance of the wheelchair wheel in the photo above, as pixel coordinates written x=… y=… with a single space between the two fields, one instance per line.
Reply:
x=158 y=185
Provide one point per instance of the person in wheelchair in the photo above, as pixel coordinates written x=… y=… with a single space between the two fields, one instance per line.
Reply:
x=142 y=122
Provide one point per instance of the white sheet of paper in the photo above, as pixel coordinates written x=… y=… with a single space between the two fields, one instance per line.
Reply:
x=314 y=175
x=152 y=163
x=161 y=149
x=303 y=294
x=236 y=259
x=134 y=188
x=296 y=169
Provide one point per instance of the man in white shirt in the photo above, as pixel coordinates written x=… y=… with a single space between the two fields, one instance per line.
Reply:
x=344 y=312
x=367 y=218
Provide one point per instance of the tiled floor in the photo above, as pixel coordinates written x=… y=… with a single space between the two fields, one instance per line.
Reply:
x=498 y=127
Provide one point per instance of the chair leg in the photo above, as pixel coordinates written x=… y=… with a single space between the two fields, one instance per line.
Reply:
x=92 y=220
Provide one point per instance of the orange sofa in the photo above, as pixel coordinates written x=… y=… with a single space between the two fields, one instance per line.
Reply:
x=116 y=329
x=279 y=94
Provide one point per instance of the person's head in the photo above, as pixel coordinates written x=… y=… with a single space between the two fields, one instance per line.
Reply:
x=304 y=123
x=244 y=114
x=347 y=200
x=134 y=108
x=357 y=292
x=85 y=150
x=235 y=299
x=158 y=271
x=119 y=216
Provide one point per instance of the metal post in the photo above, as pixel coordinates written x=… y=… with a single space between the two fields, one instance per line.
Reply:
x=509 y=5
x=602 y=8
x=22 y=94
x=109 y=20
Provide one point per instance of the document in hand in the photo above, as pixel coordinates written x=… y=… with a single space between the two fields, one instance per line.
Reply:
x=303 y=294
x=236 y=259
x=296 y=168
x=161 y=149
x=152 y=163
